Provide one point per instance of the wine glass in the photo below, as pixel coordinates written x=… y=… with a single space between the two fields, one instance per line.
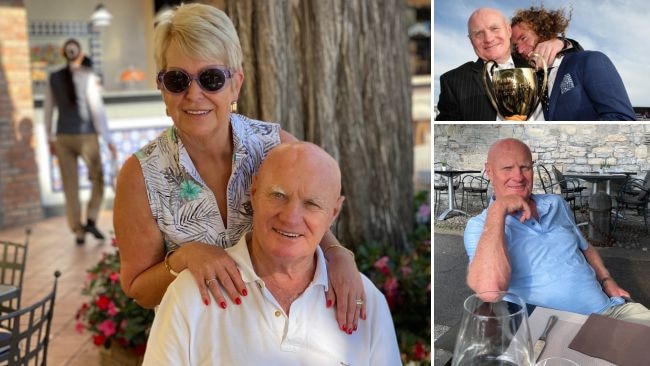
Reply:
x=494 y=331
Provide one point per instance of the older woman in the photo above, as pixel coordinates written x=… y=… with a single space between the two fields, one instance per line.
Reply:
x=582 y=85
x=296 y=195
x=185 y=196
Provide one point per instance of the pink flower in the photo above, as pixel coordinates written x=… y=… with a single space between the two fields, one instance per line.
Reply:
x=114 y=277
x=424 y=214
x=406 y=271
x=390 y=289
x=107 y=327
x=382 y=265
x=112 y=309
x=79 y=326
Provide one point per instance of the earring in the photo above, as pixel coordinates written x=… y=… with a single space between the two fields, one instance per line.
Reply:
x=233 y=107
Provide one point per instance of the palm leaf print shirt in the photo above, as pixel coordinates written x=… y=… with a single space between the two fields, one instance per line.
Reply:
x=181 y=203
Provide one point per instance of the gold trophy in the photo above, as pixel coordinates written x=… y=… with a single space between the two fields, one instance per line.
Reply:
x=514 y=93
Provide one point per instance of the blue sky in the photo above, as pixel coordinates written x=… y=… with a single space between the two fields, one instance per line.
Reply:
x=618 y=28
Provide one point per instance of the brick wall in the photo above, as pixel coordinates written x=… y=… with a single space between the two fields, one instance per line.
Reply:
x=19 y=190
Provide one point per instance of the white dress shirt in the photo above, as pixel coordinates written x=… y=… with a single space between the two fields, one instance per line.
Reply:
x=258 y=332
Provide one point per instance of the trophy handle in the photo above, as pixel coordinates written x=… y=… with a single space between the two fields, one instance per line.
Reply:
x=534 y=59
x=488 y=71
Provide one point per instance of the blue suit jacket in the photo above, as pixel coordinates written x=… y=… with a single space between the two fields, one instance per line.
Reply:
x=587 y=87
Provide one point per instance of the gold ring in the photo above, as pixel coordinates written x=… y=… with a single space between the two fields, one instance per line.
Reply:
x=359 y=302
x=207 y=283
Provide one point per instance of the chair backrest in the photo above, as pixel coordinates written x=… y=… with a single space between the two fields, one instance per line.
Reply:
x=29 y=336
x=646 y=178
x=545 y=179
x=13 y=257
x=559 y=177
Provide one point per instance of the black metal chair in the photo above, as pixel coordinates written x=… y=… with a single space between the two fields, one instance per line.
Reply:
x=568 y=185
x=475 y=185
x=633 y=194
x=13 y=257
x=26 y=342
x=569 y=189
x=440 y=186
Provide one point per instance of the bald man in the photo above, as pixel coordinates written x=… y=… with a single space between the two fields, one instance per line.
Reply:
x=529 y=244
x=462 y=96
x=296 y=195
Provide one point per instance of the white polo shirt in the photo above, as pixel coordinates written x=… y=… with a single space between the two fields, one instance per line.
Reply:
x=258 y=332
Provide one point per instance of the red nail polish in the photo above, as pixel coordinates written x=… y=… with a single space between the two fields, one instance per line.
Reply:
x=355 y=327
x=237 y=301
x=205 y=301
x=349 y=331
x=343 y=327
x=244 y=292
x=329 y=303
x=223 y=304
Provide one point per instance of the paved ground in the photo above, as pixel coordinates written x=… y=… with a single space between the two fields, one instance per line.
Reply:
x=630 y=267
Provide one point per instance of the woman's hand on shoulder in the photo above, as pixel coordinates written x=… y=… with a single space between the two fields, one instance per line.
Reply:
x=345 y=288
x=210 y=264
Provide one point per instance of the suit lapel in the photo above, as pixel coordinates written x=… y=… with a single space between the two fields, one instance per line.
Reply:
x=555 y=91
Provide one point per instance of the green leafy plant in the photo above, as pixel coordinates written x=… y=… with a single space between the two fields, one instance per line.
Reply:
x=404 y=276
x=110 y=315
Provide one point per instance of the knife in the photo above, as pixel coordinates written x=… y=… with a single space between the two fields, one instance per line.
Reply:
x=541 y=341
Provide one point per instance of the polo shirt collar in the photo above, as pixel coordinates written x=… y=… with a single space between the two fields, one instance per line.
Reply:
x=240 y=254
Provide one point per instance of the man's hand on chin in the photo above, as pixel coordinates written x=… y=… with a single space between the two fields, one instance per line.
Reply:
x=511 y=204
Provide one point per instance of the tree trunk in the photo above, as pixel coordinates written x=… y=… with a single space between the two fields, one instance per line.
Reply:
x=336 y=72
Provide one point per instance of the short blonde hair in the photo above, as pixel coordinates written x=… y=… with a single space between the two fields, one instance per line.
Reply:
x=201 y=32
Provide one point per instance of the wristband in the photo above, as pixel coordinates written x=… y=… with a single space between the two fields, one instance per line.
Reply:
x=604 y=279
x=166 y=262
x=338 y=246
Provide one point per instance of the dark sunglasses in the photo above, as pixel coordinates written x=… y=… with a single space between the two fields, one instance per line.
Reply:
x=211 y=79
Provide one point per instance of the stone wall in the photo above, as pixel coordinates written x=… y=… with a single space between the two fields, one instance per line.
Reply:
x=570 y=147
x=19 y=191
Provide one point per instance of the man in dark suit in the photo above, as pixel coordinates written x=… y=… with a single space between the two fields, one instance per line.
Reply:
x=462 y=95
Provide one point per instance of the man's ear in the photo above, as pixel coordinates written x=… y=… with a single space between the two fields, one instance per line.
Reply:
x=488 y=171
x=336 y=210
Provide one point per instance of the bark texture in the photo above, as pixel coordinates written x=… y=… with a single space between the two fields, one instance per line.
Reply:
x=336 y=73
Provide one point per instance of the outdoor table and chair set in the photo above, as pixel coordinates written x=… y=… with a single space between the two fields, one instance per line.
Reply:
x=24 y=331
x=629 y=194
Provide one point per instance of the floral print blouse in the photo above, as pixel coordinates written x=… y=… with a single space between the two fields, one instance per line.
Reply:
x=183 y=206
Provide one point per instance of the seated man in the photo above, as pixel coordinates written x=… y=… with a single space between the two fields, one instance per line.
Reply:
x=295 y=197
x=528 y=244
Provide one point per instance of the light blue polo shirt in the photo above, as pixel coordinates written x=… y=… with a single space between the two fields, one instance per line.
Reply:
x=548 y=266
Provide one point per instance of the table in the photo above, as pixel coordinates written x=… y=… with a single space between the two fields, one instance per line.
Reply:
x=557 y=343
x=596 y=178
x=8 y=292
x=450 y=190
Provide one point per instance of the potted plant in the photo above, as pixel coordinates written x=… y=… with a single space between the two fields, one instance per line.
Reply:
x=443 y=165
x=118 y=325
x=604 y=167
